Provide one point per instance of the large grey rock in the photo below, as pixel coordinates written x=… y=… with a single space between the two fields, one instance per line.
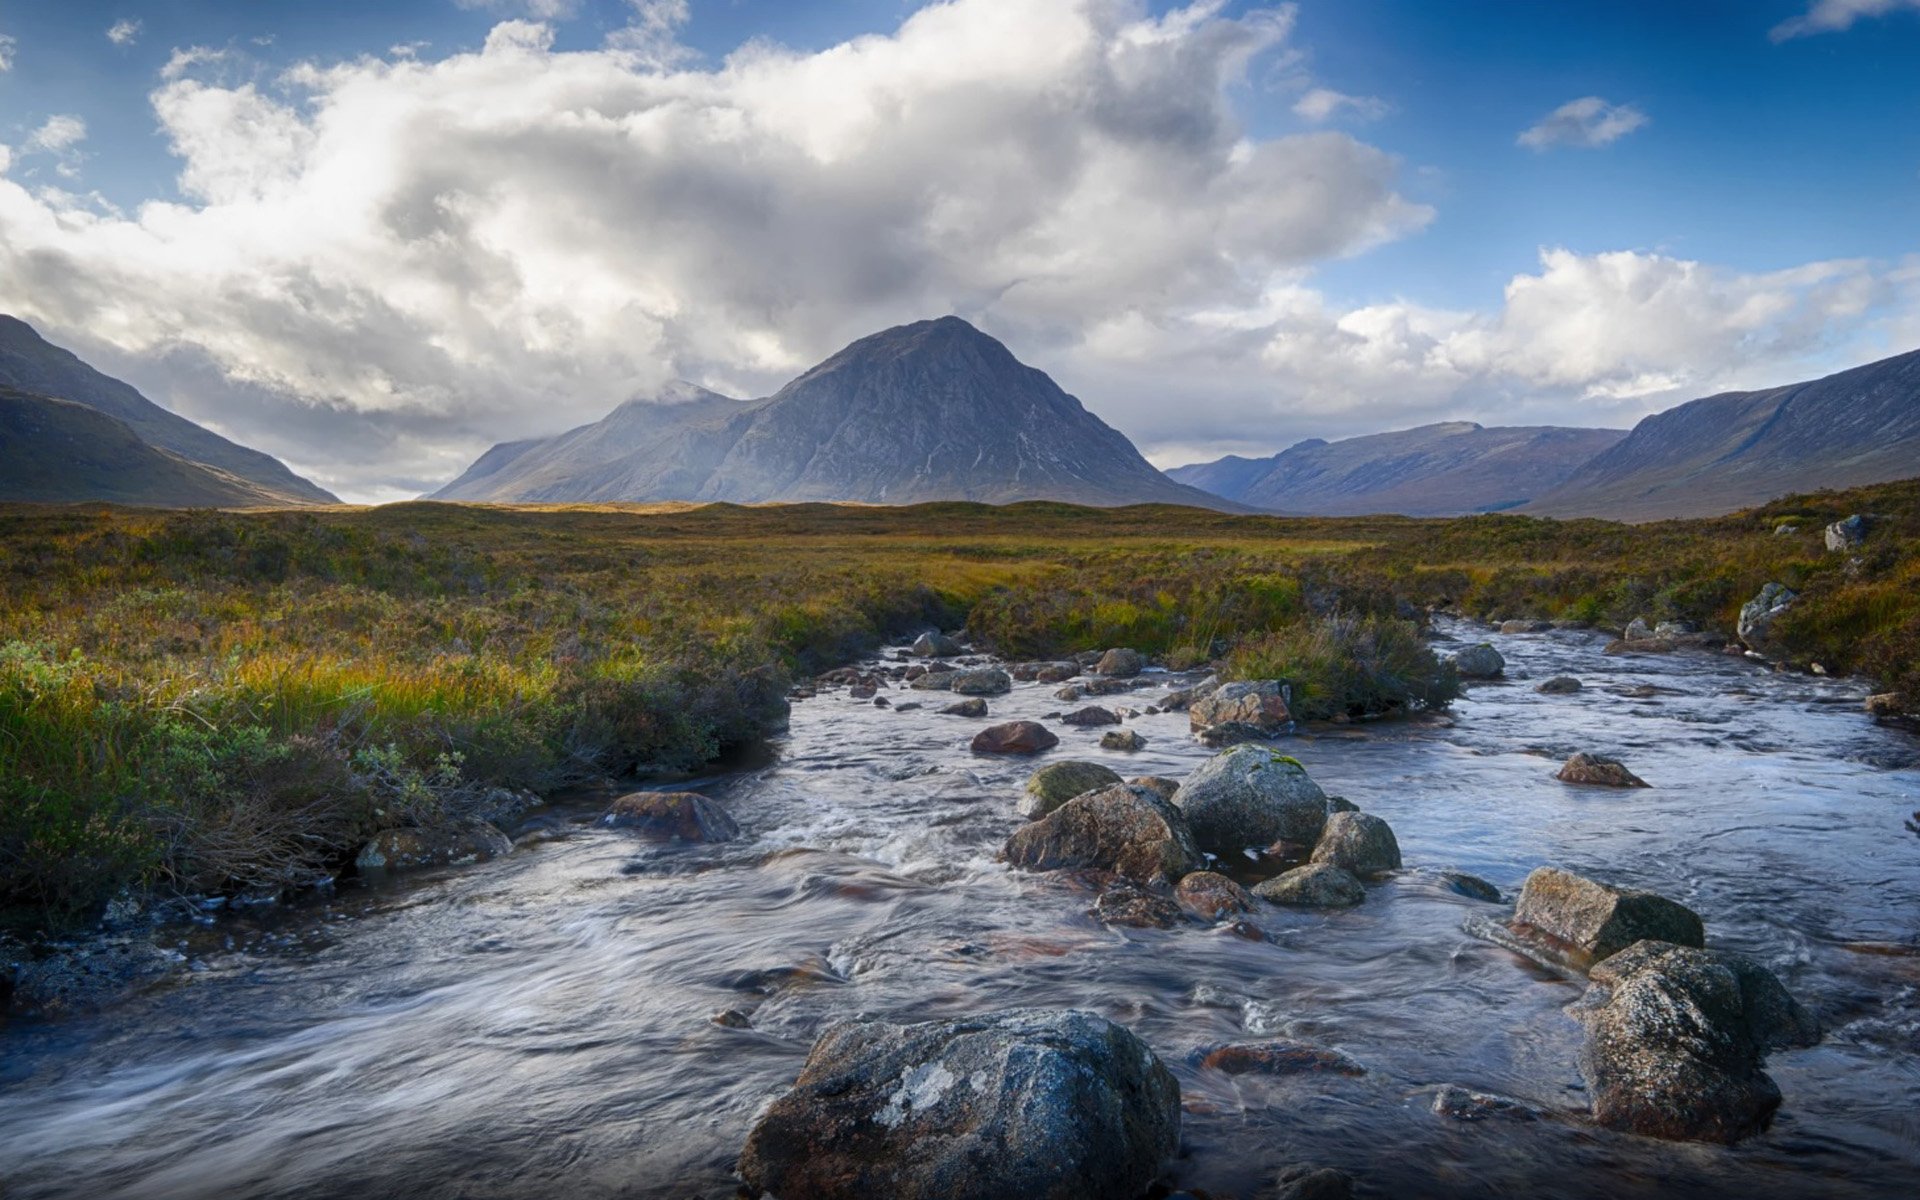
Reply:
x=1124 y=829
x=1014 y=737
x=672 y=816
x=1677 y=1036
x=1243 y=711
x=935 y=645
x=1846 y=534
x=1479 y=662
x=1758 y=614
x=1359 y=843
x=439 y=846
x=1592 y=920
x=1028 y=1103
x=1248 y=796
x=1056 y=783
x=1120 y=663
x=986 y=682
x=1316 y=885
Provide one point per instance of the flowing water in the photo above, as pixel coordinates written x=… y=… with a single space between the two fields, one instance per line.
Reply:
x=540 y=1025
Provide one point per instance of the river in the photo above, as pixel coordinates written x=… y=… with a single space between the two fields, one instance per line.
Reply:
x=541 y=1025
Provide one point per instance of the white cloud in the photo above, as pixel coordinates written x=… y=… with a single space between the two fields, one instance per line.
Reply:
x=1829 y=16
x=124 y=32
x=1588 y=122
x=538 y=10
x=1324 y=104
x=58 y=133
x=8 y=45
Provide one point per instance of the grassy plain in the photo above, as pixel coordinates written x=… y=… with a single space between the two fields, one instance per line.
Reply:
x=219 y=701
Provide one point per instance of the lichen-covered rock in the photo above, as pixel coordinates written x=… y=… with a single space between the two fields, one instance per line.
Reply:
x=1316 y=885
x=1597 y=770
x=1676 y=1038
x=1014 y=737
x=1559 y=685
x=1122 y=739
x=674 y=816
x=1758 y=614
x=1028 y=1103
x=1246 y=711
x=1056 y=783
x=1124 y=829
x=1358 y=843
x=1479 y=662
x=1090 y=717
x=441 y=846
x=988 y=681
x=1248 y=796
x=1120 y=663
x=1210 y=895
x=1846 y=534
x=935 y=645
x=1593 y=920
x=975 y=707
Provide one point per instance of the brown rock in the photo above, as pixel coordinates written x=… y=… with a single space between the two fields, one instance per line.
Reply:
x=1598 y=771
x=678 y=816
x=1210 y=895
x=1090 y=716
x=1014 y=737
x=1593 y=920
x=1124 y=829
x=1278 y=1057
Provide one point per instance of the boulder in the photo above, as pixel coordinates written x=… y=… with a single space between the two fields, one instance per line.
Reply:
x=1244 y=711
x=1784 y=528
x=1104 y=686
x=1594 y=920
x=1069 y=693
x=1676 y=1038
x=1124 y=902
x=1675 y=629
x=1124 y=829
x=1316 y=885
x=1122 y=739
x=1479 y=662
x=1210 y=895
x=935 y=645
x=1884 y=705
x=1056 y=783
x=1758 y=614
x=1358 y=843
x=440 y=846
x=1846 y=534
x=986 y=682
x=675 y=816
x=1599 y=771
x=1091 y=716
x=937 y=680
x=1014 y=737
x=1120 y=663
x=975 y=707
x=1057 y=672
x=1559 y=685
x=1028 y=1103
x=1462 y=1104
x=1638 y=630
x=1249 y=796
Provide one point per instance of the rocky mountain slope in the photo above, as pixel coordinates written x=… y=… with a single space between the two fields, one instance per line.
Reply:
x=31 y=364
x=57 y=451
x=1434 y=470
x=1728 y=451
x=935 y=410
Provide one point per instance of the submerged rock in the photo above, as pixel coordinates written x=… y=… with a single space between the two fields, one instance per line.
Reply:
x=1249 y=796
x=85 y=977
x=1479 y=662
x=975 y=707
x=1358 y=843
x=1559 y=685
x=1238 y=712
x=1599 y=771
x=987 y=682
x=1461 y=1104
x=1676 y=1037
x=1028 y=1103
x=1120 y=663
x=678 y=816
x=1122 y=739
x=1210 y=895
x=1313 y=1183
x=1124 y=829
x=442 y=846
x=1471 y=886
x=936 y=645
x=1594 y=920
x=1758 y=614
x=1277 y=1057
x=1056 y=783
x=1317 y=885
x=1014 y=737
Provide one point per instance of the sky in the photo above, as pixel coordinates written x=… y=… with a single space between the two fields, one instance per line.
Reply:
x=373 y=237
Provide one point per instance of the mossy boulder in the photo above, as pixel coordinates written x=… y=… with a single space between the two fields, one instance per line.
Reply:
x=1056 y=783
x=1248 y=796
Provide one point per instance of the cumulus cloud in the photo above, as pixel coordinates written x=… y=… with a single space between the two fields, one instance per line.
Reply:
x=1589 y=122
x=1324 y=104
x=124 y=32
x=1829 y=16
x=58 y=133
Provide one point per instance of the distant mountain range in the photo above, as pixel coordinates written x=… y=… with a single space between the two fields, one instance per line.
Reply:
x=1435 y=470
x=1702 y=458
x=936 y=410
x=140 y=453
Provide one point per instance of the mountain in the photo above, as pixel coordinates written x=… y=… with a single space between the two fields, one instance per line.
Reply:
x=1434 y=470
x=57 y=451
x=935 y=410
x=1737 y=449
x=29 y=363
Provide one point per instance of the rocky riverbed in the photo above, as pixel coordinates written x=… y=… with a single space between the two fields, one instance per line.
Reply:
x=604 y=1013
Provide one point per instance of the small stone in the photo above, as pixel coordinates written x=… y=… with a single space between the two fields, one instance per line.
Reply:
x=1126 y=903
x=1070 y=693
x=676 y=816
x=731 y=1018
x=1317 y=885
x=1559 y=685
x=975 y=707
x=1598 y=771
x=1471 y=886
x=1278 y=1057
x=453 y=845
x=1479 y=662
x=1122 y=739
x=1463 y=1105
x=1120 y=663
x=1090 y=716
x=988 y=682
x=1014 y=737
x=1210 y=895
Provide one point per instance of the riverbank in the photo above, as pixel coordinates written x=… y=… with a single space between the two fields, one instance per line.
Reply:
x=231 y=704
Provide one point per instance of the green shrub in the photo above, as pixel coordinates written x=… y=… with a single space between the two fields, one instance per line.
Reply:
x=1346 y=665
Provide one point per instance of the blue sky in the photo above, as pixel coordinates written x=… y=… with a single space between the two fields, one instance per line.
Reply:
x=1758 y=160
